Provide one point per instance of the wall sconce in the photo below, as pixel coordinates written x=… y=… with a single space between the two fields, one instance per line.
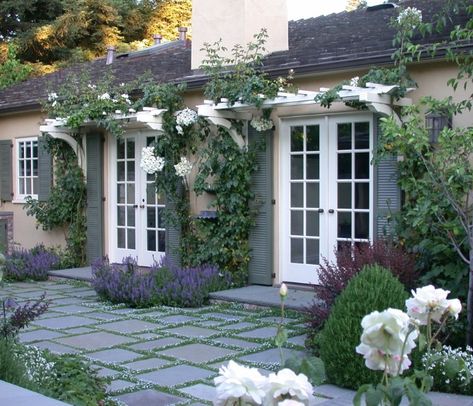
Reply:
x=435 y=123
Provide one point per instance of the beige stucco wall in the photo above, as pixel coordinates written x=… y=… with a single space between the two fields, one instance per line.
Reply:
x=24 y=227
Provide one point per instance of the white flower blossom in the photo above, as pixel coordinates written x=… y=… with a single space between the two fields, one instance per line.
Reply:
x=410 y=17
x=186 y=117
x=52 y=96
x=286 y=383
x=262 y=124
x=90 y=86
x=132 y=110
x=354 y=81
x=183 y=168
x=149 y=162
x=290 y=402
x=179 y=129
x=427 y=300
x=104 y=96
x=454 y=308
x=238 y=382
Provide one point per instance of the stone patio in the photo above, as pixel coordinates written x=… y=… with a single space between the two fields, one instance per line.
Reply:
x=165 y=355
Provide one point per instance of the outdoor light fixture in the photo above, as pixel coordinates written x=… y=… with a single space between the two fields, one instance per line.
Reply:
x=435 y=123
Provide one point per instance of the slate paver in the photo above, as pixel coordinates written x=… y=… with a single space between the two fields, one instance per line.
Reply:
x=201 y=391
x=113 y=355
x=175 y=375
x=65 y=322
x=72 y=308
x=262 y=332
x=105 y=372
x=149 y=397
x=94 y=341
x=193 y=331
x=155 y=344
x=119 y=384
x=55 y=347
x=145 y=336
x=272 y=356
x=66 y=301
x=149 y=363
x=104 y=316
x=298 y=340
x=130 y=326
x=39 y=335
x=238 y=326
x=236 y=342
x=78 y=330
x=225 y=316
x=174 y=319
x=197 y=353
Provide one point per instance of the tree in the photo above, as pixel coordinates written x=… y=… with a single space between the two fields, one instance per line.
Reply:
x=170 y=15
x=355 y=4
x=11 y=69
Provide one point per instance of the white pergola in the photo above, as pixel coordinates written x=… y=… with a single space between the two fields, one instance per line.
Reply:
x=377 y=98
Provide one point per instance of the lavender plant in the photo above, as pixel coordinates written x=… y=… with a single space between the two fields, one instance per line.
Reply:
x=33 y=264
x=163 y=284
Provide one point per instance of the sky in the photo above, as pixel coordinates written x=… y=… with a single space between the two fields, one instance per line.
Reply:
x=310 y=8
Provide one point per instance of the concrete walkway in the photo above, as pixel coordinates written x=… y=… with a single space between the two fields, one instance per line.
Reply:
x=12 y=395
x=166 y=355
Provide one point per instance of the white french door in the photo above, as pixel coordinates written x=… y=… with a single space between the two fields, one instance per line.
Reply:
x=325 y=191
x=137 y=212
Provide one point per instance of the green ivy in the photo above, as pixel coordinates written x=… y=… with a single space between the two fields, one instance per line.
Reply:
x=65 y=206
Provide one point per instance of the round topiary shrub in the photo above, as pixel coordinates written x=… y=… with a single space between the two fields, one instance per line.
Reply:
x=374 y=288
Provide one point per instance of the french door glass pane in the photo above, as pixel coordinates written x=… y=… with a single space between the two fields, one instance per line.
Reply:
x=313 y=223
x=344 y=225
x=362 y=135
x=344 y=136
x=297 y=194
x=297 y=250
x=344 y=195
x=313 y=166
x=362 y=195
x=313 y=195
x=344 y=166
x=313 y=135
x=297 y=167
x=312 y=250
x=297 y=139
x=297 y=222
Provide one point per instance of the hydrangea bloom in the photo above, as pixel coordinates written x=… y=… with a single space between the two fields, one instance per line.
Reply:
x=149 y=162
x=287 y=383
x=387 y=340
x=428 y=300
x=409 y=18
x=262 y=124
x=186 y=117
x=239 y=382
x=183 y=168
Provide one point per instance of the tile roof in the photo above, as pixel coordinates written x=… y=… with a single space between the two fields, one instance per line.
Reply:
x=338 y=41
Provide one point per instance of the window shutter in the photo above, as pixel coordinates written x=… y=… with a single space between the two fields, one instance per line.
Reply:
x=173 y=236
x=6 y=182
x=94 y=210
x=45 y=170
x=387 y=191
x=261 y=235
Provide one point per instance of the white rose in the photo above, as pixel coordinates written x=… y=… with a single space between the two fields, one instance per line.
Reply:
x=287 y=383
x=427 y=300
x=283 y=290
x=454 y=307
x=239 y=382
x=378 y=360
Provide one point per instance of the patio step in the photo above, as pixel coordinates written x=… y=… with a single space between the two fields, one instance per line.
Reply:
x=78 y=274
x=15 y=395
x=265 y=296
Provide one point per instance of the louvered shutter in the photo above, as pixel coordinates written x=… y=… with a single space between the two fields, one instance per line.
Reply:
x=261 y=235
x=94 y=210
x=388 y=193
x=173 y=234
x=45 y=170
x=6 y=182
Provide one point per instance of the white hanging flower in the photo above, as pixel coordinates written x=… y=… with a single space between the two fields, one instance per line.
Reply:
x=262 y=124
x=286 y=383
x=183 y=168
x=410 y=17
x=179 y=129
x=104 y=96
x=52 y=96
x=238 y=382
x=427 y=300
x=186 y=117
x=454 y=308
x=149 y=162
x=354 y=81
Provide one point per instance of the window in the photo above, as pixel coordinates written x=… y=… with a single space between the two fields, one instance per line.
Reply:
x=27 y=168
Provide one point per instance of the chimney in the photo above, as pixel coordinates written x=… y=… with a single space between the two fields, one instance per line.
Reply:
x=110 y=55
x=182 y=33
x=236 y=22
x=157 y=39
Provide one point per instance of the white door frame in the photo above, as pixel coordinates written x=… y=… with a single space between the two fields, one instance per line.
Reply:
x=144 y=257
x=290 y=272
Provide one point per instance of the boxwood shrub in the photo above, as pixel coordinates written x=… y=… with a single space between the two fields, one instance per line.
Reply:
x=374 y=288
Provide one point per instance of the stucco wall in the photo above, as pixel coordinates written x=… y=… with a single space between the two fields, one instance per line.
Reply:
x=25 y=233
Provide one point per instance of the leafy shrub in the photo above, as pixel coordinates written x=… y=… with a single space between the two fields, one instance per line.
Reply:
x=163 y=284
x=33 y=264
x=374 y=288
x=451 y=369
x=333 y=278
x=12 y=369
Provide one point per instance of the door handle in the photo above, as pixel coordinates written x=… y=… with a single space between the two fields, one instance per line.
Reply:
x=135 y=206
x=142 y=206
x=331 y=211
x=320 y=210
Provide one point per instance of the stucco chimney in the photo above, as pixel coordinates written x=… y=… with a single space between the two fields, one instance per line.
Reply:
x=182 y=33
x=157 y=39
x=236 y=22
x=110 y=55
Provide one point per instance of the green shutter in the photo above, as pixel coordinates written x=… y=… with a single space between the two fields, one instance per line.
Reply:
x=94 y=197
x=173 y=235
x=261 y=235
x=45 y=170
x=387 y=191
x=6 y=183
x=3 y=236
